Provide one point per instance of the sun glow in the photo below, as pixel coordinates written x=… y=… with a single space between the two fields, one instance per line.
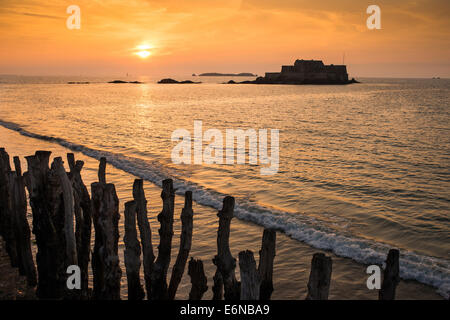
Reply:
x=143 y=51
x=143 y=54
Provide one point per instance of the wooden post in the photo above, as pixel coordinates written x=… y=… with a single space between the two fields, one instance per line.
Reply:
x=198 y=279
x=6 y=210
x=132 y=253
x=48 y=207
x=159 y=274
x=22 y=228
x=69 y=233
x=83 y=218
x=265 y=268
x=218 y=286
x=71 y=161
x=185 y=245
x=250 y=278
x=320 y=277
x=224 y=261
x=102 y=170
x=17 y=166
x=145 y=233
x=391 y=276
x=105 y=259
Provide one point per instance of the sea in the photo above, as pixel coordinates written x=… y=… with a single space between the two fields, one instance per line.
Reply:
x=362 y=168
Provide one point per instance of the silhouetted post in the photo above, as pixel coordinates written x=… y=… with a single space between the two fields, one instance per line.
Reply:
x=391 y=276
x=105 y=259
x=71 y=161
x=6 y=211
x=132 y=253
x=224 y=261
x=250 y=278
x=185 y=245
x=159 y=274
x=145 y=233
x=67 y=192
x=320 y=277
x=22 y=228
x=265 y=268
x=48 y=207
x=198 y=279
x=17 y=166
x=218 y=286
x=83 y=218
x=102 y=170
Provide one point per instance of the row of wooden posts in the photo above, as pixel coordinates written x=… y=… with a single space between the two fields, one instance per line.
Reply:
x=63 y=212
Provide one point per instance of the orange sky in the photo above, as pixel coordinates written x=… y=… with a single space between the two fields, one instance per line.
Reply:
x=225 y=36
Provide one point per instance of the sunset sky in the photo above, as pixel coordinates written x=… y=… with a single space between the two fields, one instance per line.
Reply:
x=184 y=37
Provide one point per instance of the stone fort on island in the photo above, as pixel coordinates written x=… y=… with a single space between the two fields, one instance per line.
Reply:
x=308 y=72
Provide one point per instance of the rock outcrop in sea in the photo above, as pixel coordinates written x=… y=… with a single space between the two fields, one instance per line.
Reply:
x=122 y=81
x=171 y=81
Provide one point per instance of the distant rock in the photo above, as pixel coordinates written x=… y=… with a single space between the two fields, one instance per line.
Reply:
x=117 y=81
x=121 y=81
x=216 y=74
x=170 y=81
x=77 y=82
x=257 y=81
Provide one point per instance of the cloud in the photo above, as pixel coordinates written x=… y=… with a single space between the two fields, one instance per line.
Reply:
x=37 y=15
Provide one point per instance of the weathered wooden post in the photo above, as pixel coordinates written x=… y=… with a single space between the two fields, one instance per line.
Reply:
x=185 y=245
x=132 y=253
x=159 y=274
x=69 y=214
x=391 y=276
x=102 y=170
x=224 y=261
x=265 y=268
x=83 y=218
x=250 y=278
x=6 y=211
x=198 y=279
x=145 y=233
x=22 y=228
x=217 y=286
x=105 y=258
x=13 y=218
x=48 y=207
x=320 y=277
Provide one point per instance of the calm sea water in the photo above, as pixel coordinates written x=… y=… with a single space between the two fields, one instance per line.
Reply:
x=363 y=167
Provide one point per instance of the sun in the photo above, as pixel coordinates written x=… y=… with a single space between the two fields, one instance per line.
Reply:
x=143 y=54
x=142 y=51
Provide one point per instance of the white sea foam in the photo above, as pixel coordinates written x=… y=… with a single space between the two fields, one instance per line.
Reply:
x=428 y=270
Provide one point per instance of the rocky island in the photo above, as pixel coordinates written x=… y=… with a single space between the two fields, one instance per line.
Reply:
x=122 y=81
x=306 y=72
x=171 y=81
x=216 y=74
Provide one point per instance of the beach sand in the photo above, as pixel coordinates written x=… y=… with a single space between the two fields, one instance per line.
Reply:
x=292 y=261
